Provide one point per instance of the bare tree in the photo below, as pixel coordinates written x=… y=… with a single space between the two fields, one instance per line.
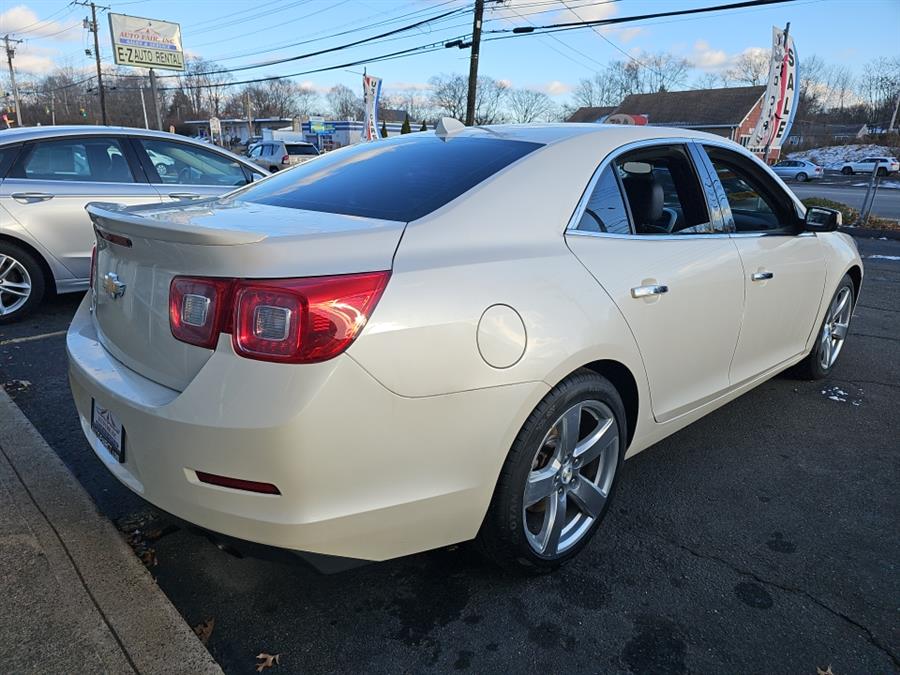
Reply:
x=710 y=81
x=661 y=71
x=527 y=105
x=343 y=103
x=750 y=68
x=203 y=83
x=448 y=95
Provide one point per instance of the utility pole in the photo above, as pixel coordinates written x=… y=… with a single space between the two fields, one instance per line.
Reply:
x=10 y=52
x=96 y=32
x=473 y=62
x=155 y=95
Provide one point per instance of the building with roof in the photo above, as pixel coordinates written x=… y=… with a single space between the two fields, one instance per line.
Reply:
x=591 y=114
x=731 y=112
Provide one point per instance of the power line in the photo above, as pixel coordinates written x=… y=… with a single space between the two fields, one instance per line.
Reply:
x=572 y=25
x=320 y=52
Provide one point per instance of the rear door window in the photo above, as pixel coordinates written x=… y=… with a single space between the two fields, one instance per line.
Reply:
x=398 y=179
x=301 y=150
x=93 y=159
x=605 y=209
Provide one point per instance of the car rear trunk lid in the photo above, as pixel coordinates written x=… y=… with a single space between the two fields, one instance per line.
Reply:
x=140 y=250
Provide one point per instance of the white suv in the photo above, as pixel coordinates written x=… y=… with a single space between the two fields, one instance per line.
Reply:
x=275 y=155
x=886 y=166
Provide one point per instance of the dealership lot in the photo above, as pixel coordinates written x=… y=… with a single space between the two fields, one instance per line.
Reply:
x=759 y=539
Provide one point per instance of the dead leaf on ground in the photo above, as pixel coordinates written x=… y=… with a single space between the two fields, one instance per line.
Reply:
x=827 y=671
x=205 y=629
x=267 y=661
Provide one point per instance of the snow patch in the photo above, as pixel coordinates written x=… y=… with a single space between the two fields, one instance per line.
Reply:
x=840 y=396
x=882 y=257
x=834 y=157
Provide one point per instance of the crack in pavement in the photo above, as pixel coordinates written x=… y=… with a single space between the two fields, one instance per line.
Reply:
x=870 y=636
x=879 y=309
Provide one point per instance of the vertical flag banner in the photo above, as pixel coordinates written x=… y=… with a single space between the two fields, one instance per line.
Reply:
x=371 y=94
x=782 y=92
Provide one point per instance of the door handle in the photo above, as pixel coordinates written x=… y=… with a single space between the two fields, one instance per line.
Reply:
x=31 y=196
x=647 y=291
x=184 y=195
x=761 y=276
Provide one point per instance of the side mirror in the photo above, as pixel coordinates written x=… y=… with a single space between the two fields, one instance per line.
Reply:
x=821 y=219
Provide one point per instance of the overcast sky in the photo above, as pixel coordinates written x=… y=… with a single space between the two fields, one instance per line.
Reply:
x=850 y=32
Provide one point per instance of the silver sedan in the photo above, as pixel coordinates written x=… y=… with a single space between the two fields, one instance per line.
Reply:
x=800 y=170
x=49 y=174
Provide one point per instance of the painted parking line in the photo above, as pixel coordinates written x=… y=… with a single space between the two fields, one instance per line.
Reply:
x=31 y=338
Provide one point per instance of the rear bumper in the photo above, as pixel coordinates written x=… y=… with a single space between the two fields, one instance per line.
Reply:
x=363 y=473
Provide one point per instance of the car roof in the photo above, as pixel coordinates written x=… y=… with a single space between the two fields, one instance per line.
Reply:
x=557 y=132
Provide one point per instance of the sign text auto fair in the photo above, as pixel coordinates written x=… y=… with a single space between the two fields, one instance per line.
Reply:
x=146 y=43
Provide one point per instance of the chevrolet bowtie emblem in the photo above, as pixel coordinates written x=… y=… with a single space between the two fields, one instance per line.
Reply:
x=113 y=287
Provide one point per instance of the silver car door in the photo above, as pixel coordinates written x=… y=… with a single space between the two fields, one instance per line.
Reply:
x=191 y=172
x=47 y=188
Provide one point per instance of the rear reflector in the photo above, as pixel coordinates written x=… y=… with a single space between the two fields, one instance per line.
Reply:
x=237 y=483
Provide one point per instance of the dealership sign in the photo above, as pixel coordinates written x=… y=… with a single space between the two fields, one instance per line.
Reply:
x=371 y=94
x=146 y=43
x=780 y=102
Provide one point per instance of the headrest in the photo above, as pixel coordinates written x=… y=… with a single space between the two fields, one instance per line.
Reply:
x=645 y=196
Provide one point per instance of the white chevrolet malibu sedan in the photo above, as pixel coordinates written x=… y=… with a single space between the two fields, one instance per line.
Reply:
x=446 y=336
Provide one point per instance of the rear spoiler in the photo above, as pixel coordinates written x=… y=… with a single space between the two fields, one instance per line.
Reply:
x=126 y=221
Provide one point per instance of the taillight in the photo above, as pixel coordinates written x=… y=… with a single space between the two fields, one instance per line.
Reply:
x=303 y=320
x=285 y=159
x=93 y=265
x=198 y=308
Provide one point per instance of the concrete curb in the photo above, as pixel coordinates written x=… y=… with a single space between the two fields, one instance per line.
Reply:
x=76 y=599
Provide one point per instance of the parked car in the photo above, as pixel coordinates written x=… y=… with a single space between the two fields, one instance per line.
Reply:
x=276 y=155
x=48 y=174
x=798 y=169
x=886 y=166
x=445 y=336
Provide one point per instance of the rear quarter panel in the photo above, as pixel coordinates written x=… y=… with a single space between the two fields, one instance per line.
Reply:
x=501 y=243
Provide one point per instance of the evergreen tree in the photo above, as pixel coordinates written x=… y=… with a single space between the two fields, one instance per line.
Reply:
x=424 y=126
x=405 y=129
x=384 y=133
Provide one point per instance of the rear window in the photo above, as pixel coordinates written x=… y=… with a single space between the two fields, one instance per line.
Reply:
x=398 y=179
x=301 y=150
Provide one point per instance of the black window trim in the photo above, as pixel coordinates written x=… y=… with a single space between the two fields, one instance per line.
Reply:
x=28 y=146
x=7 y=163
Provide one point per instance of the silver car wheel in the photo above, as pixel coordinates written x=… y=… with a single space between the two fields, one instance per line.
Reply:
x=570 y=479
x=15 y=285
x=837 y=324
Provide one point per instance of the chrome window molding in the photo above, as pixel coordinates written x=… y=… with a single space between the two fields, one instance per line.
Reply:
x=572 y=225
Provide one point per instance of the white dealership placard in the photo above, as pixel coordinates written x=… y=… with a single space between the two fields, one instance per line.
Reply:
x=780 y=102
x=371 y=94
x=146 y=43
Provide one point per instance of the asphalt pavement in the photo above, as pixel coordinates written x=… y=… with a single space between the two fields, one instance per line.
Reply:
x=762 y=538
x=851 y=190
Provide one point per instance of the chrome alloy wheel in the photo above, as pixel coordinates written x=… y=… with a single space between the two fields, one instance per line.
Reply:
x=570 y=478
x=834 y=332
x=15 y=285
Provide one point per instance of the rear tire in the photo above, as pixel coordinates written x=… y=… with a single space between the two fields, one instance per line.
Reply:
x=571 y=446
x=802 y=177
x=22 y=283
x=847 y=171
x=831 y=335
